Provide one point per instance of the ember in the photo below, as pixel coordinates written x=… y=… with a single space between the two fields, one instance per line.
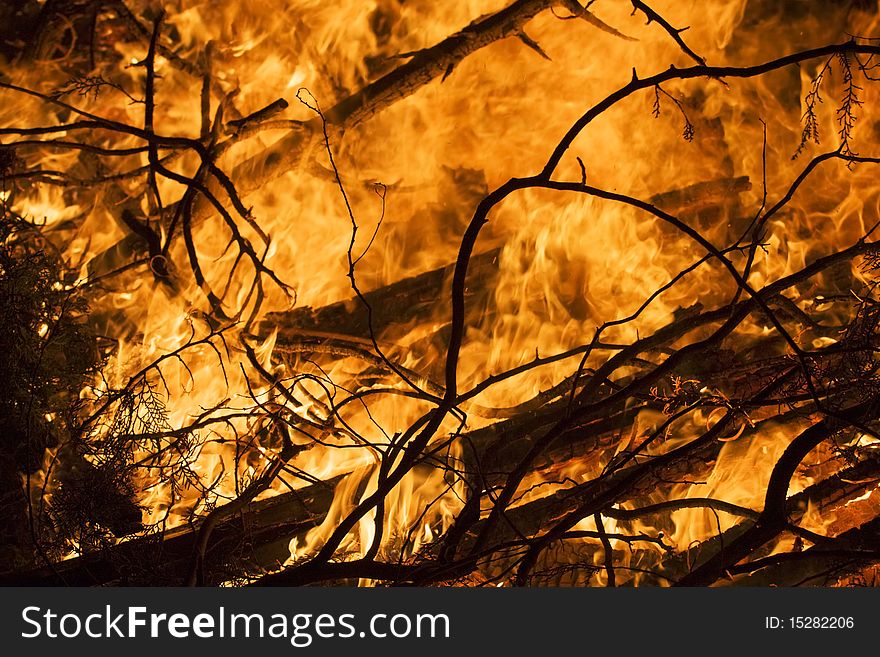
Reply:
x=483 y=293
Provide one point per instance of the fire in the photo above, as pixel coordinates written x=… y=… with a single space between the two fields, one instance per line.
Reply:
x=270 y=209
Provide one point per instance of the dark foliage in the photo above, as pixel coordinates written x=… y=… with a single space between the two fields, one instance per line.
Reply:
x=48 y=353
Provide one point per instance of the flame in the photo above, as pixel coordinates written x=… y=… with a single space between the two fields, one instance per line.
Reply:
x=413 y=174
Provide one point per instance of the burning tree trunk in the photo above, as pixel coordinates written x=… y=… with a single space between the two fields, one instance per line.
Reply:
x=558 y=343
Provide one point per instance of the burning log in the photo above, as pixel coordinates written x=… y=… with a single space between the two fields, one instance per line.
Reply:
x=834 y=492
x=254 y=539
x=826 y=563
x=400 y=303
x=424 y=66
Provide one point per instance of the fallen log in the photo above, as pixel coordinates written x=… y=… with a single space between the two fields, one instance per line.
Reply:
x=423 y=67
x=535 y=517
x=693 y=199
x=820 y=565
x=832 y=492
x=247 y=542
x=264 y=528
x=397 y=304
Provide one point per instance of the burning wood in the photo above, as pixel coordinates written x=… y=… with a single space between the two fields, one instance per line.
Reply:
x=408 y=294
